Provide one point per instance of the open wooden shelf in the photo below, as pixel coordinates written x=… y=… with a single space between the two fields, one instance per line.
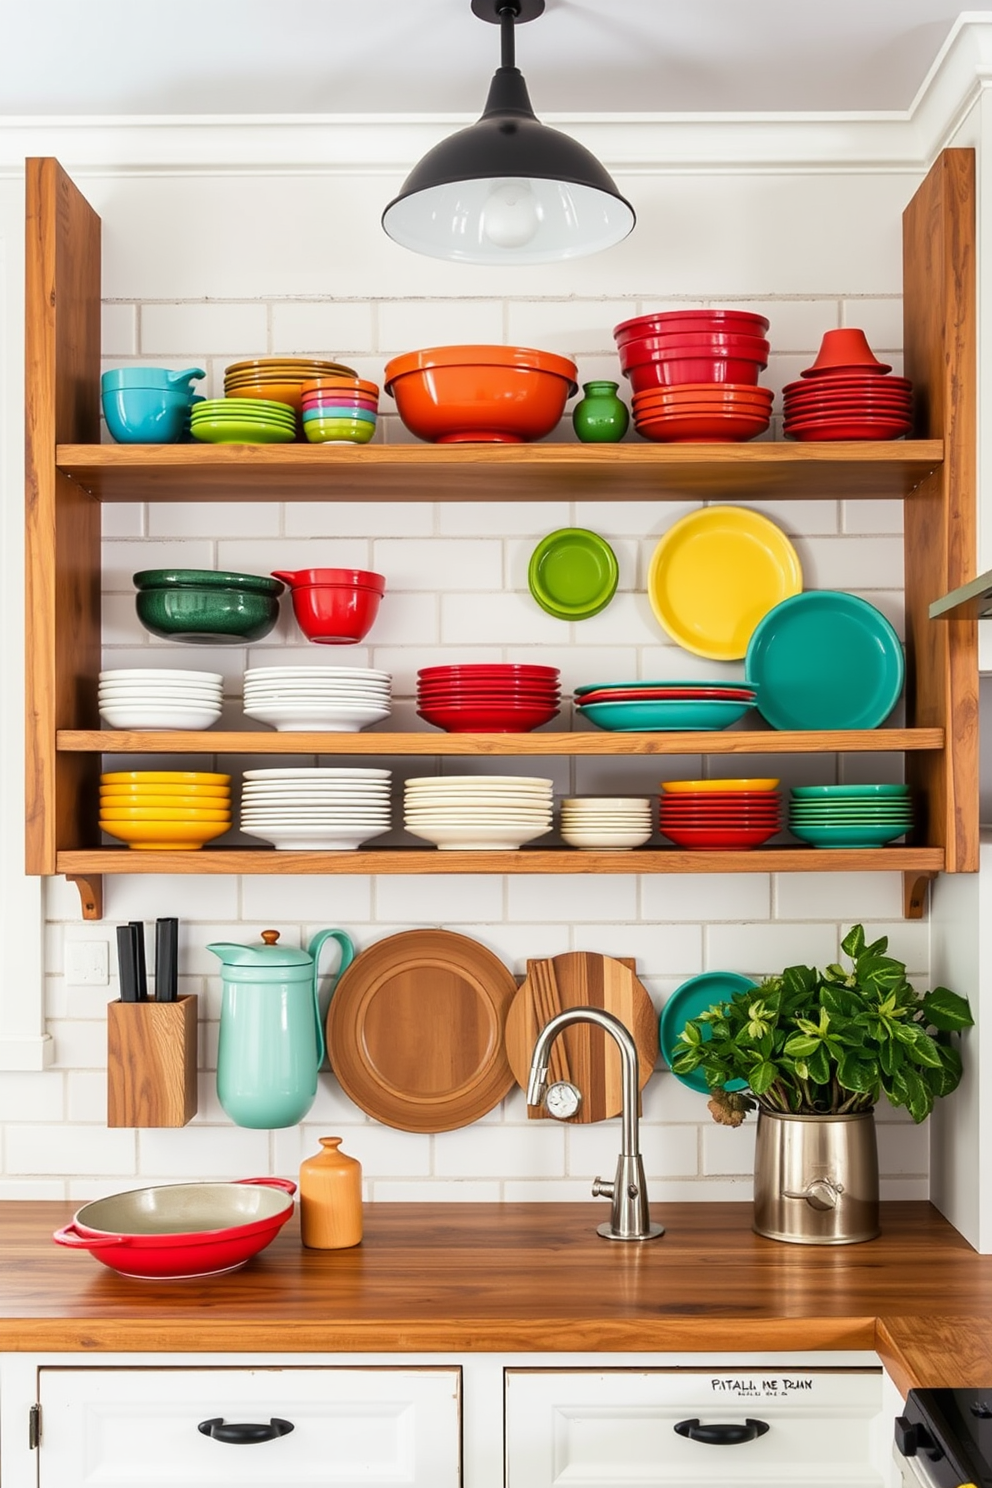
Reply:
x=429 y=472
x=524 y=860
x=765 y=741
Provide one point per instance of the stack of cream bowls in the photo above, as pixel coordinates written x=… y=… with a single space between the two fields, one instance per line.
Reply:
x=321 y=699
x=478 y=812
x=610 y=823
x=315 y=809
x=159 y=698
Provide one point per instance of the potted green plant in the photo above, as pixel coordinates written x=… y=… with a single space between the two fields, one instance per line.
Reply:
x=814 y=1051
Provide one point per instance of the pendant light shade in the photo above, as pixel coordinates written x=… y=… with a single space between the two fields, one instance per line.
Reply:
x=508 y=189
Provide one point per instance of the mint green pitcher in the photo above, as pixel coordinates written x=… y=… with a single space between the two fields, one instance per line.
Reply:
x=271 y=1040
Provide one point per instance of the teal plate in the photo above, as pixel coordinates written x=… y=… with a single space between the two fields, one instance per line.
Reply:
x=847 y=835
x=843 y=792
x=662 y=714
x=573 y=573
x=688 y=1001
x=825 y=660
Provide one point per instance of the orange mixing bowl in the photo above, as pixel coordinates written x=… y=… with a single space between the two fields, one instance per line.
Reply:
x=480 y=394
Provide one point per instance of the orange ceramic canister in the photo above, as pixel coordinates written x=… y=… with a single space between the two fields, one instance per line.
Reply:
x=330 y=1198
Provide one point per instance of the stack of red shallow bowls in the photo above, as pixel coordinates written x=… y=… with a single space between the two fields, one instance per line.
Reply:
x=719 y=814
x=488 y=698
x=695 y=374
x=848 y=394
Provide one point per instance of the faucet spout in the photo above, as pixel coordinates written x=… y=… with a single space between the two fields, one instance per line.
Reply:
x=630 y=1218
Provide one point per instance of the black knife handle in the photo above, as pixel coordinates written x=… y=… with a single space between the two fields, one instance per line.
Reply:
x=245 y=1433
x=137 y=930
x=728 y=1434
x=127 y=971
x=166 y=959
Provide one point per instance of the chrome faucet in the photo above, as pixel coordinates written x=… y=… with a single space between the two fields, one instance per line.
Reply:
x=630 y=1218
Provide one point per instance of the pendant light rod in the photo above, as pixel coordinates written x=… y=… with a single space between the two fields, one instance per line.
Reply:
x=507 y=21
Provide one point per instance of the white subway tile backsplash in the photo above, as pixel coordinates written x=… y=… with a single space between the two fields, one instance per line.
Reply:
x=534 y=1150
x=213 y=520
x=233 y=1151
x=123 y=519
x=31 y=1097
x=196 y=899
x=321 y=328
x=573 y=899
x=439 y=565
x=118 y=330
x=566 y=327
x=307 y=899
x=764 y=950
x=668 y=950
x=368 y=519
x=872 y=517
x=412 y=325
x=60 y=1150
x=844 y=897
x=867 y=563
x=461 y=899
x=502 y=518
x=880 y=319
x=745 y=897
x=727 y=1151
x=236 y=330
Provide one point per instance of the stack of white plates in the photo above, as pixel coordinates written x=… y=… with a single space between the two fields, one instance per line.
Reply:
x=159 y=698
x=478 y=812
x=321 y=809
x=613 y=823
x=329 y=699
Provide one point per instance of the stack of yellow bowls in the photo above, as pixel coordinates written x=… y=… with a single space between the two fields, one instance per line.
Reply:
x=165 y=810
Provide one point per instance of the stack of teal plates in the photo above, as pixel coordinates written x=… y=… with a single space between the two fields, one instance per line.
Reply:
x=850 y=815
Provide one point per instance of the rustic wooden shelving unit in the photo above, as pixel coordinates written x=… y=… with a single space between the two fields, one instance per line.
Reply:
x=69 y=475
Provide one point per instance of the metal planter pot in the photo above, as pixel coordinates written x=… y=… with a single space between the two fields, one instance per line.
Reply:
x=816 y=1179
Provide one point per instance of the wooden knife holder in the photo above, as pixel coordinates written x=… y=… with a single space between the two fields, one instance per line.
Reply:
x=151 y=1063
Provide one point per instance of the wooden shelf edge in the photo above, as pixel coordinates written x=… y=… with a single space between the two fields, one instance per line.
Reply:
x=917 y=860
x=203 y=742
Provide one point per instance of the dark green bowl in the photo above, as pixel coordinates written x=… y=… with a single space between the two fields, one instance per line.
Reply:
x=207 y=616
x=205 y=578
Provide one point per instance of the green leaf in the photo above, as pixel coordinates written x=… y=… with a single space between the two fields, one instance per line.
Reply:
x=891 y=1057
x=855 y=1073
x=854 y=942
x=801 y=1045
x=946 y=1010
x=763 y=1077
x=690 y=1035
x=909 y=1090
x=819 y=1067
x=919 y=1043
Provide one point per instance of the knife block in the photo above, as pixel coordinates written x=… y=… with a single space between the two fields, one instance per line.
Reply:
x=151 y=1063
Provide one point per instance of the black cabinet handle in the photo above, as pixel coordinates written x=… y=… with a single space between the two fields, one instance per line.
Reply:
x=243 y=1433
x=727 y=1435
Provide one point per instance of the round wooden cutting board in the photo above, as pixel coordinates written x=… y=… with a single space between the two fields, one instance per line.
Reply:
x=583 y=1054
x=415 y=1030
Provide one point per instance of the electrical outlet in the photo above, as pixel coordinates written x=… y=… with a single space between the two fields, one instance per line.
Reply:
x=87 y=963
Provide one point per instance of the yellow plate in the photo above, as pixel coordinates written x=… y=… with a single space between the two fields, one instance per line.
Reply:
x=211 y=796
x=166 y=835
x=715 y=574
x=164 y=777
x=683 y=787
x=111 y=811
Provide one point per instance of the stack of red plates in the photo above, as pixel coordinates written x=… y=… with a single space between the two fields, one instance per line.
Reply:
x=488 y=698
x=719 y=814
x=680 y=346
x=720 y=413
x=848 y=394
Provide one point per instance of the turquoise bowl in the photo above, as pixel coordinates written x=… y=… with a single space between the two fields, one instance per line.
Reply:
x=147 y=415
x=661 y=715
x=325 y=411
x=149 y=377
x=848 y=835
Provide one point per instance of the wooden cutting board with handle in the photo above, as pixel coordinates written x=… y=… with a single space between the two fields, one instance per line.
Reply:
x=583 y=1054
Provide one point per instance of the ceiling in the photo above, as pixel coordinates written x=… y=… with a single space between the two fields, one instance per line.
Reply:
x=71 y=57
x=304 y=57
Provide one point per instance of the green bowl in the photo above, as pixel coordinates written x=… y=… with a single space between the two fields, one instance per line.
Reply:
x=207 y=616
x=205 y=578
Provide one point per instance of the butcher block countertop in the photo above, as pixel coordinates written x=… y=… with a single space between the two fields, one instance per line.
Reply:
x=512 y=1278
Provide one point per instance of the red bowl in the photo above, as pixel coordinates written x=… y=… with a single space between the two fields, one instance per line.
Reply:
x=335 y=614
x=681 y=370
x=502 y=669
x=511 y=693
x=667 y=320
x=230 y=1228
x=704 y=797
x=850 y=429
x=716 y=394
x=480 y=394
x=477 y=719
x=712 y=428
x=494 y=699
x=719 y=838
x=358 y=577
x=759 y=816
x=845 y=346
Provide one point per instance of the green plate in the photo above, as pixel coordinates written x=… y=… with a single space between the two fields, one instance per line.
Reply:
x=825 y=660
x=688 y=1001
x=573 y=573
x=841 y=792
x=231 y=431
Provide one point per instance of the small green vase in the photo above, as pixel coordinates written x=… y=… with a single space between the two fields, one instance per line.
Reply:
x=600 y=416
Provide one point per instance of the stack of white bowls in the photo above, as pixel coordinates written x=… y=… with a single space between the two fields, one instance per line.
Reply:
x=307 y=808
x=478 y=812
x=322 y=699
x=610 y=823
x=159 y=698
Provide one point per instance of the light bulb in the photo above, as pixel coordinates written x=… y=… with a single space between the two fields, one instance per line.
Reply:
x=510 y=216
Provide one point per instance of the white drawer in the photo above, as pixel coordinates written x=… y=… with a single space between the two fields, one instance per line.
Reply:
x=589 y=1429
x=118 y=1428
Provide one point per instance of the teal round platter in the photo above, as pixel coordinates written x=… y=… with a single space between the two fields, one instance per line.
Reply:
x=847 y=834
x=672 y=682
x=573 y=573
x=825 y=660
x=688 y=1001
x=845 y=792
x=664 y=715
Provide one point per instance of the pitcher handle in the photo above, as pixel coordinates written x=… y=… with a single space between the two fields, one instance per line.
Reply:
x=347 y=956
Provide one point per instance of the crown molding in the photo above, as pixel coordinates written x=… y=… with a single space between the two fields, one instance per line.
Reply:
x=638 y=144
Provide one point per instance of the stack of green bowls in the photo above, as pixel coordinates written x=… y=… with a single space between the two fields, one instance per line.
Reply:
x=850 y=815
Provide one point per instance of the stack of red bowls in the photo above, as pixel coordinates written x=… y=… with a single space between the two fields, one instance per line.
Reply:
x=488 y=698
x=848 y=394
x=695 y=374
x=708 y=815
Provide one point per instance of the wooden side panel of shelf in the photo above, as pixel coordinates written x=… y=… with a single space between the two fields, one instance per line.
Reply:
x=62 y=338
x=939 y=297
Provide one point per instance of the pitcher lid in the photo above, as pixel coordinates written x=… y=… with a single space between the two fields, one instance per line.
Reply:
x=266 y=954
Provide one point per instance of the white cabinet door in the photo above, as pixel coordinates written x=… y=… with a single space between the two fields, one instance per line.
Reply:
x=609 y=1429
x=139 y=1428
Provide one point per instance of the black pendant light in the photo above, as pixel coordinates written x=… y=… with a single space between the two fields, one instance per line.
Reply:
x=508 y=189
